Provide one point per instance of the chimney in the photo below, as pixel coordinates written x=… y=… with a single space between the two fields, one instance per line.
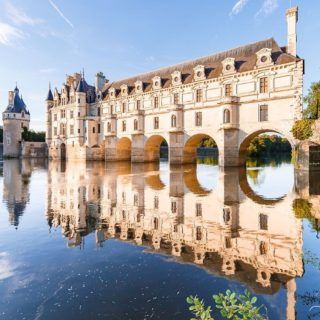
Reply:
x=292 y=19
x=10 y=97
x=100 y=81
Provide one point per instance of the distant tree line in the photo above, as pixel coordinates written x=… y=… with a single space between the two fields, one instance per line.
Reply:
x=31 y=135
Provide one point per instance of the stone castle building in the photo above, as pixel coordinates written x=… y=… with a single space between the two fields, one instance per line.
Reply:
x=231 y=97
x=15 y=117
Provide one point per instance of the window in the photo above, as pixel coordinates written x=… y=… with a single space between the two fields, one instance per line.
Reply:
x=263 y=222
x=124 y=126
x=198 y=233
x=98 y=111
x=263 y=112
x=79 y=131
x=124 y=107
x=156 y=122
x=55 y=131
x=156 y=202
x=136 y=200
x=63 y=113
x=226 y=116
x=62 y=129
x=173 y=207
x=226 y=215
x=109 y=127
x=93 y=129
x=198 y=95
x=198 y=209
x=263 y=247
x=123 y=198
x=173 y=121
x=156 y=102
x=79 y=100
x=71 y=129
x=198 y=119
x=71 y=114
x=99 y=128
x=228 y=242
x=79 y=114
x=138 y=104
x=264 y=85
x=228 y=90
x=155 y=223
x=55 y=117
x=135 y=124
x=175 y=98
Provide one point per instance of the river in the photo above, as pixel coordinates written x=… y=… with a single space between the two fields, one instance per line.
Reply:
x=120 y=241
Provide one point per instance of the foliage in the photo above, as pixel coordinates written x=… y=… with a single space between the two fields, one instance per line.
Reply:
x=312 y=99
x=208 y=143
x=230 y=305
x=30 y=135
x=268 y=144
x=1 y=135
x=302 y=210
x=302 y=129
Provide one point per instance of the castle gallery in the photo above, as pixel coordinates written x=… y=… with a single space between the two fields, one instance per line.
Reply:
x=231 y=97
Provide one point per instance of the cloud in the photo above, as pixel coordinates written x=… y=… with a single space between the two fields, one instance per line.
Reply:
x=237 y=8
x=55 y=7
x=6 y=267
x=19 y=17
x=47 y=70
x=268 y=7
x=8 y=34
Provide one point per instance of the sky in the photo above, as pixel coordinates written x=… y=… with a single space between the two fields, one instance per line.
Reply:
x=43 y=40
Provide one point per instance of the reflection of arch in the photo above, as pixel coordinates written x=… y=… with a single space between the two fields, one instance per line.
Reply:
x=247 y=140
x=152 y=148
x=190 y=147
x=63 y=152
x=191 y=180
x=247 y=190
x=123 y=149
x=226 y=116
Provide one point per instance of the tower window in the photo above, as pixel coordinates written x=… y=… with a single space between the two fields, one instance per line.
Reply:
x=99 y=128
x=263 y=112
x=226 y=116
x=124 y=126
x=198 y=233
x=173 y=121
x=156 y=122
x=109 y=127
x=175 y=98
x=156 y=202
x=173 y=206
x=263 y=222
x=198 y=209
x=93 y=129
x=135 y=124
x=124 y=107
x=71 y=129
x=228 y=90
x=156 y=102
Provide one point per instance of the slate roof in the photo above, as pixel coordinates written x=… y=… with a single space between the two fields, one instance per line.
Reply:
x=245 y=60
x=18 y=105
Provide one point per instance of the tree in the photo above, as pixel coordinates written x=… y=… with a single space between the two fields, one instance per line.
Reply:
x=312 y=99
x=30 y=135
x=1 y=135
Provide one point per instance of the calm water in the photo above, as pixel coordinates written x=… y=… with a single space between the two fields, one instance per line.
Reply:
x=121 y=241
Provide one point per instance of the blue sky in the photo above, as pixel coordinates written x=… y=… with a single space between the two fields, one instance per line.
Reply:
x=43 y=40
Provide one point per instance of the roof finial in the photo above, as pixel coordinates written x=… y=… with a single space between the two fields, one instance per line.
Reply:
x=82 y=73
x=49 y=85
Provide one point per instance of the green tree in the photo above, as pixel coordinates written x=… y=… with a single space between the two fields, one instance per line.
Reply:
x=312 y=99
x=30 y=135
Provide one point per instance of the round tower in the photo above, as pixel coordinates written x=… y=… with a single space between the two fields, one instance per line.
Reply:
x=15 y=118
x=49 y=105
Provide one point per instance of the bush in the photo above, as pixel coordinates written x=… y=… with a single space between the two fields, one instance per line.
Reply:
x=30 y=135
x=302 y=129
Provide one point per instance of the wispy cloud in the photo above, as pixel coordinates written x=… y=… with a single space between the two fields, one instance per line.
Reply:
x=19 y=17
x=55 y=7
x=9 y=34
x=267 y=7
x=237 y=8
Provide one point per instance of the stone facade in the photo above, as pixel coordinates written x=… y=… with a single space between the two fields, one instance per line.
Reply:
x=231 y=97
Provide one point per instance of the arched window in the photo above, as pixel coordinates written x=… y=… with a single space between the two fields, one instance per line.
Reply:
x=155 y=223
x=109 y=127
x=173 y=121
x=124 y=126
x=226 y=116
x=135 y=124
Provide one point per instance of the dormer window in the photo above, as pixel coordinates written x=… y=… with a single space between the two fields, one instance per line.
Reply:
x=138 y=86
x=124 y=90
x=176 y=78
x=112 y=92
x=228 y=66
x=156 y=83
x=264 y=57
x=199 y=73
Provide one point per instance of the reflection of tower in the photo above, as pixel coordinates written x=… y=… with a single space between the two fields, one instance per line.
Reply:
x=16 y=188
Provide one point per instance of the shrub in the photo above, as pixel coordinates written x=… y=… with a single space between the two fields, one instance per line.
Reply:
x=302 y=129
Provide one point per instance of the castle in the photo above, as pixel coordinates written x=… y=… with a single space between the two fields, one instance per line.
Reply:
x=231 y=97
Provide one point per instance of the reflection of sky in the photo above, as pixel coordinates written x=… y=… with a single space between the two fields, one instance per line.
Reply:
x=273 y=182
x=207 y=176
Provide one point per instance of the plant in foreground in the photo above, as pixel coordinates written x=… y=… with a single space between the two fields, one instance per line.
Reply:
x=230 y=305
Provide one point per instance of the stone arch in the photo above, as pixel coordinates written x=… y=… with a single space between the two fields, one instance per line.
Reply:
x=191 y=146
x=123 y=149
x=63 y=151
x=152 y=148
x=245 y=142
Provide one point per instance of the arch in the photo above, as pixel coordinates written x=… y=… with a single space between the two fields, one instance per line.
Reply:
x=63 y=151
x=226 y=116
x=152 y=148
x=123 y=149
x=173 y=121
x=191 y=146
x=244 y=144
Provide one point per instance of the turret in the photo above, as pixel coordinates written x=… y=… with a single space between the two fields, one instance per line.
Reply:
x=292 y=19
x=49 y=105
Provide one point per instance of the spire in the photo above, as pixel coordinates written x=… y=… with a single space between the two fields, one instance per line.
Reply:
x=50 y=95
